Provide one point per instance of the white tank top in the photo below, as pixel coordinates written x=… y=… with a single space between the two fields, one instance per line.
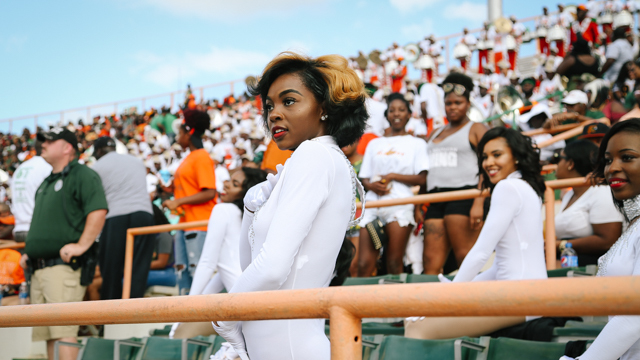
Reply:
x=452 y=161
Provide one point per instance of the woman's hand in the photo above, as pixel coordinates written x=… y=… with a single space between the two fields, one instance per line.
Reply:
x=379 y=188
x=232 y=332
x=475 y=215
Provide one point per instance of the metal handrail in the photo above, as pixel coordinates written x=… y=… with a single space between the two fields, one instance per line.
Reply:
x=346 y=306
x=550 y=234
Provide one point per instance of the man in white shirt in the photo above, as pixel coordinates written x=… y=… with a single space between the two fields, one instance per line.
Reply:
x=26 y=180
x=483 y=100
x=618 y=52
x=432 y=105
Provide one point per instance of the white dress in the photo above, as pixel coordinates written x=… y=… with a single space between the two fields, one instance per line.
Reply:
x=293 y=242
x=220 y=252
x=514 y=230
x=621 y=337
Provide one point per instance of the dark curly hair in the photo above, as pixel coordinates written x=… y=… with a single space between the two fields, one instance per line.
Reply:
x=396 y=96
x=583 y=153
x=630 y=126
x=462 y=79
x=252 y=177
x=335 y=86
x=523 y=150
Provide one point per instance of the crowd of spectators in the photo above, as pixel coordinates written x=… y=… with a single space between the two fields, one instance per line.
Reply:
x=197 y=162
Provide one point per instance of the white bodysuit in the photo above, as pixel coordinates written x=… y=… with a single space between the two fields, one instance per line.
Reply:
x=220 y=252
x=292 y=243
x=621 y=337
x=514 y=230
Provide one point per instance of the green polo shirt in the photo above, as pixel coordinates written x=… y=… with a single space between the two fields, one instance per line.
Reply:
x=77 y=194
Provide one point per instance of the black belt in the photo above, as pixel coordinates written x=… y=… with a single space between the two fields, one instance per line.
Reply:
x=43 y=263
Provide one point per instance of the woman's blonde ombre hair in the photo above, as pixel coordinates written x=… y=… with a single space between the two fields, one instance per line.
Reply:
x=336 y=87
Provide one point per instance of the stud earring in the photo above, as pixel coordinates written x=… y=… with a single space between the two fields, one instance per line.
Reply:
x=517 y=162
x=323 y=117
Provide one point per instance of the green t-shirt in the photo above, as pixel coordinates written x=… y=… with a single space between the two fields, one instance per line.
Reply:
x=594 y=114
x=165 y=120
x=61 y=209
x=155 y=121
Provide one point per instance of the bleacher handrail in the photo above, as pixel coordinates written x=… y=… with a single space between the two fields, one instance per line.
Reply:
x=550 y=240
x=346 y=306
x=11 y=244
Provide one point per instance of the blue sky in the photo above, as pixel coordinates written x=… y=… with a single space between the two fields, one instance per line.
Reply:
x=56 y=55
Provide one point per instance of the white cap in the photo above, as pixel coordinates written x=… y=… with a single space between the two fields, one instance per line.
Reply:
x=536 y=110
x=576 y=97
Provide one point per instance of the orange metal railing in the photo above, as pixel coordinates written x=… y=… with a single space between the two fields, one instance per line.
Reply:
x=10 y=244
x=346 y=306
x=550 y=234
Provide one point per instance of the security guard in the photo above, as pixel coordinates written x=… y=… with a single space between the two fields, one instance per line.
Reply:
x=70 y=210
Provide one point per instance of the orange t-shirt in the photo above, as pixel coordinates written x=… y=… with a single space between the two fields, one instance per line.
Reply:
x=274 y=156
x=195 y=174
x=10 y=271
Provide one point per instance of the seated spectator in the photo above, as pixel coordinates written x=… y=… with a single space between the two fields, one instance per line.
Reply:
x=594 y=133
x=535 y=119
x=619 y=52
x=578 y=62
x=11 y=276
x=576 y=103
x=7 y=222
x=221 y=248
x=513 y=229
x=588 y=218
x=161 y=271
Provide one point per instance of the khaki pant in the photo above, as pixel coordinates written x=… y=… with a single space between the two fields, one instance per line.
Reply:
x=56 y=284
x=436 y=328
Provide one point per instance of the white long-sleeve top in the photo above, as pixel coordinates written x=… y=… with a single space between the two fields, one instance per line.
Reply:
x=220 y=252
x=620 y=338
x=514 y=230
x=292 y=242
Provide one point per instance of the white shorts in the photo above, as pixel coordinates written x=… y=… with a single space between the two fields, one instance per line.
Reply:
x=403 y=214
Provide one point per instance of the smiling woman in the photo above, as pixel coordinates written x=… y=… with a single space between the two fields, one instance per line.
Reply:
x=294 y=224
x=619 y=167
x=513 y=229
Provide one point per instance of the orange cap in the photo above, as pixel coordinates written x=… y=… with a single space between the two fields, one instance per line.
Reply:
x=582 y=7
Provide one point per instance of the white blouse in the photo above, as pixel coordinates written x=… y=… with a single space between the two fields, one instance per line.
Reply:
x=220 y=252
x=292 y=242
x=595 y=206
x=621 y=337
x=514 y=230
x=405 y=155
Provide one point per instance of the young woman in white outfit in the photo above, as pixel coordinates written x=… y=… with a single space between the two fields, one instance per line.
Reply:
x=513 y=229
x=294 y=224
x=221 y=246
x=588 y=219
x=391 y=165
x=619 y=167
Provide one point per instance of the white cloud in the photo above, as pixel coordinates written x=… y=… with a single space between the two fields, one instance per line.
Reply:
x=406 y=6
x=475 y=12
x=167 y=71
x=416 y=32
x=229 y=10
